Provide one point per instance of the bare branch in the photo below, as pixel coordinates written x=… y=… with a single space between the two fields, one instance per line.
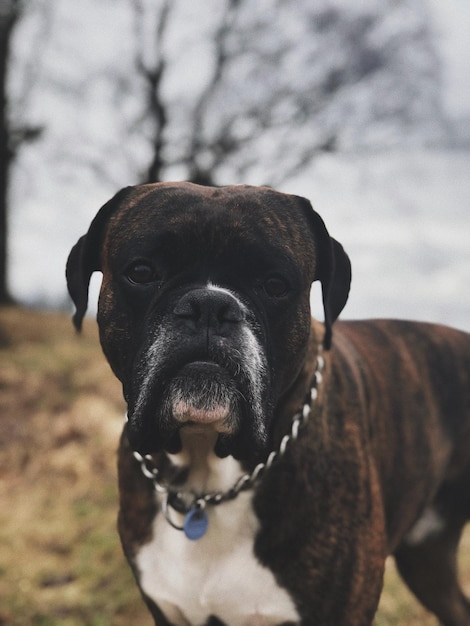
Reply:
x=153 y=75
x=198 y=171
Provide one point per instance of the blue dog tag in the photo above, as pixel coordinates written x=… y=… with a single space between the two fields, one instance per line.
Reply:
x=195 y=523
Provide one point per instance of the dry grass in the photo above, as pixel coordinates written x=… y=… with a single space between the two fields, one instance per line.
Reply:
x=61 y=414
x=60 y=418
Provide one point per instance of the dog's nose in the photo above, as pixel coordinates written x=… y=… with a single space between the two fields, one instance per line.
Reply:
x=216 y=309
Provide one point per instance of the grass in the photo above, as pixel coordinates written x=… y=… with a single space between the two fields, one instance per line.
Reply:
x=60 y=418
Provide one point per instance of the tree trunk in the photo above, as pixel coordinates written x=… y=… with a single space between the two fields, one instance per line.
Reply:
x=9 y=10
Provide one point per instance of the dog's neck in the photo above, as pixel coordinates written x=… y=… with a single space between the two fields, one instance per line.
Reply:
x=291 y=400
x=206 y=471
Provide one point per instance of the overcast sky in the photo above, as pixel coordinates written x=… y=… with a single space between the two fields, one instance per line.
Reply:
x=369 y=202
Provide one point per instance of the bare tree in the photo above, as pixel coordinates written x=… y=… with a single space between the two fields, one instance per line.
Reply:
x=286 y=84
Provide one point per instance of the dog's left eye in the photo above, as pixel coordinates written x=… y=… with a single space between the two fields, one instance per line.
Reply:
x=276 y=287
x=141 y=273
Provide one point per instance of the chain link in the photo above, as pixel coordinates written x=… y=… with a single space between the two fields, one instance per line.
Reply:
x=245 y=481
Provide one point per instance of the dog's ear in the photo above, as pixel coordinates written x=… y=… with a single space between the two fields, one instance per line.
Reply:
x=85 y=257
x=333 y=270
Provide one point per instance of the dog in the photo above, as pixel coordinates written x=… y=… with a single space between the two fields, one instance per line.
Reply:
x=268 y=466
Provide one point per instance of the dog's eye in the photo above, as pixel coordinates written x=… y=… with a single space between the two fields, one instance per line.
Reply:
x=141 y=273
x=276 y=287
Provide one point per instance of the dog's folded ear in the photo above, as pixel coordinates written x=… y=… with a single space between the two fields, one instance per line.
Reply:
x=333 y=270
x=85 y=258
x=78 y=279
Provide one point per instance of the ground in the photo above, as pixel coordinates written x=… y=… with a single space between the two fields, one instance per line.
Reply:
x=61 y=413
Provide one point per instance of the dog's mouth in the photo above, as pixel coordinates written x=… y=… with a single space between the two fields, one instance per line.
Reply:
x=223 y=401
x=202 y=396
x=202 y=393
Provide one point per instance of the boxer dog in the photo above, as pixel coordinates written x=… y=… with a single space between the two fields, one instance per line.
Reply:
x=267 y=468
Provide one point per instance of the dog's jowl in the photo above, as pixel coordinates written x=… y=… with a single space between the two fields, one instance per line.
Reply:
x=270 y=463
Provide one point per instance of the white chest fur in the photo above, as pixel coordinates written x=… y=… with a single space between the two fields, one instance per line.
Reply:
x=218 y=574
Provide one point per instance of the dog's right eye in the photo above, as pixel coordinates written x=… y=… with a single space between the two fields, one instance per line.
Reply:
x=141 y=273
x=276 y=286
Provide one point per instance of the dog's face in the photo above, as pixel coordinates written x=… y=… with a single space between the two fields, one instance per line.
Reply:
x=204 y=309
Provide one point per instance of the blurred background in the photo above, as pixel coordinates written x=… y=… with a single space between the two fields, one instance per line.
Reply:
x=363 y=107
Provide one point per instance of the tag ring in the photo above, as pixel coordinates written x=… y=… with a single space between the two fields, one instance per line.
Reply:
x=166 y=513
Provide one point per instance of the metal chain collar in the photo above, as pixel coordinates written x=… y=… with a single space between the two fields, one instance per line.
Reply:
x=246 y=481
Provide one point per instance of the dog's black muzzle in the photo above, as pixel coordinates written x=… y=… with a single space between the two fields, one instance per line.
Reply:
x=201 y=365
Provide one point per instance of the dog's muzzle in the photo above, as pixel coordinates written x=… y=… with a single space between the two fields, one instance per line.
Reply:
x=203 y=368
x=203 y=393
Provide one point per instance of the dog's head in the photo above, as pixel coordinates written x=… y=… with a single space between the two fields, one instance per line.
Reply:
x=204 y=310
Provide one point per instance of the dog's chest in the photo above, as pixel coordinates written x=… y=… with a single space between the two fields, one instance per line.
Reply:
x=217 y=575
